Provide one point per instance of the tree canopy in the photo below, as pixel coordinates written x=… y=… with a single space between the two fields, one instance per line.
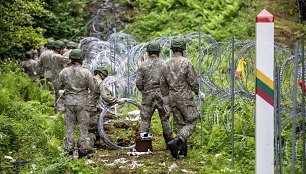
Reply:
x=26 y=24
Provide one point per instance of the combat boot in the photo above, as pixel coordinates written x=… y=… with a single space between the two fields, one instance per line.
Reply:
x=166 y=141
x=173 y=147
x=88 y=153
x=70 y=154
x=82 y=153
x=183 y=150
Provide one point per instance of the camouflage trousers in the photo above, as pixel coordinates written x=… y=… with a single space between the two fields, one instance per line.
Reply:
x=59 y=105
x=76 y=115
x=148 y=106
x=186 y=116
x=93 y=132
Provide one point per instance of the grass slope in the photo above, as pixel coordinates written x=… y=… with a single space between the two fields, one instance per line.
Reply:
x=218 y=18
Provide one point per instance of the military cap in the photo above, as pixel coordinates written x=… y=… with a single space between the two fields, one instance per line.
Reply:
x=71 y=45
x=76 y=54
x=59 y=44
x=178 y=43
x=50 y=43
x=101 y=70
x=29 y=54
x=153 y=47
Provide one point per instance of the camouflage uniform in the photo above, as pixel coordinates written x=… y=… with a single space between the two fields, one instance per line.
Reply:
x=103 y=92
x=66 y=54
x=45 y=64
x=30 y=66
x=65 y=41
x=178 y=81
x=106 y=95
x=60 y=62
x=148 y=83
x=35 y=54
x=76 y=81
x=70 y=46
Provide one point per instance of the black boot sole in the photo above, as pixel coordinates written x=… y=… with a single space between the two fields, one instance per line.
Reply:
x=173 y=148
x=183 y=153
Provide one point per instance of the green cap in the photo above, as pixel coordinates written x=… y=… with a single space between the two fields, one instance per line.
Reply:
x=178 y=43
x=76 y=54
x=29 y=54
x=153 y=47
x=50 y=43
x=59 y=44
x=71 y=45
x=101 y=70
x=65 y=41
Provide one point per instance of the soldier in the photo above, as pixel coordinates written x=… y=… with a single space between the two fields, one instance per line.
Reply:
x=65 y=49
x=70 y=46
x=105 y=94
x=178 y=80
x=148 y=83
x=35 y=55
x=59 y=61
x=45 y=62
x=30 y=65
x=76 y=81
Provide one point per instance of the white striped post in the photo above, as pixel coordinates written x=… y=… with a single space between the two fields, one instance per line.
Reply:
x=264 y=93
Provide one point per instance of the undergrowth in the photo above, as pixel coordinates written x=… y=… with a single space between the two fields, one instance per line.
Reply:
x=31 y=134
x=217 y=18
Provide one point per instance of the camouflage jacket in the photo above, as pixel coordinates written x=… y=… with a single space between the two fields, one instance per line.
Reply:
x=30 y=67
x=45 y=64
x=149 y=73
x=179 y=79
x=76 y=81
x=66 y=54
x=101 y=91
x=59 y=63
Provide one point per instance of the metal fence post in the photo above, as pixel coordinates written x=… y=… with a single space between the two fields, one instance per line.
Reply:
x=276 y=113
x=200 y=83
x=233 y=101
x=279 y=123
x=294 y=94
x=303 y=106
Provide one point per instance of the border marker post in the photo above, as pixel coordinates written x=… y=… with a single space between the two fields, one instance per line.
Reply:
x=264 y=92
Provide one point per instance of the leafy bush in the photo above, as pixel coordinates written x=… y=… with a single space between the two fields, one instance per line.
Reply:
x=17 y=33
x=29 y=128
x=24 y=24
x=64 y=18
x=25 y=114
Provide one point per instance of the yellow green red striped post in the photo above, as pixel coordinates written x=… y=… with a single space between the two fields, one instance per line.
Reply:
x=264 y=87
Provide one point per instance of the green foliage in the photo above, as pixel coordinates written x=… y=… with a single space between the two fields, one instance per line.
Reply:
x=64 y=165
x=17 y=33
x=64 y=18
x=24 y=24
x=25 y=110
x=29 y=128
x=220 y=19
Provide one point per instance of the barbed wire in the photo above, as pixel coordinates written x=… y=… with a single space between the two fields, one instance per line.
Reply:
x=124 y=55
